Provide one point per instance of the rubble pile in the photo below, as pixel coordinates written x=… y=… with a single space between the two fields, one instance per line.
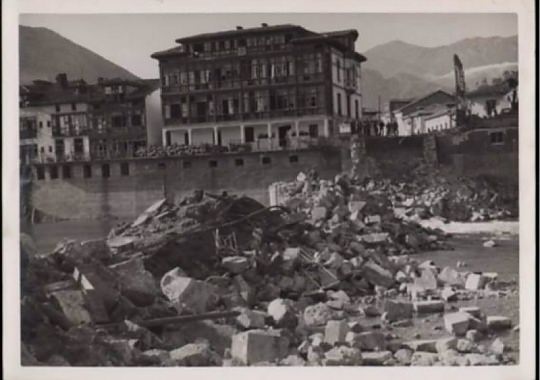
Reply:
x=222 y=280
x=176 y=150
x=421 y=194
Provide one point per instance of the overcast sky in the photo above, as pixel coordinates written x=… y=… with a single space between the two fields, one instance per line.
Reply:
x=129 y=39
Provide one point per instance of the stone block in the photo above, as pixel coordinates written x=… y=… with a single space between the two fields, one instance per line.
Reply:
x=72 y=303
x=251 y=319
x=187 y=293
x=445 y=344
x=282 y=312
x=427 y=345
x=376 y=274
x=472 y=310
x=235 y=264
x=255 y=346
x=457 y=323
x=424 y=307
x=451 y=277
x=195 y=355
x=369 y=341
x=475 y=281
x=317 y=315
x=335 y=332
x=342 y=355
x=376 y=358
x=398 y=310
x=137 y=284
x=495 y=322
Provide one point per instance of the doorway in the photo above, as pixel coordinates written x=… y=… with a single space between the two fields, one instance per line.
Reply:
x=282 y=135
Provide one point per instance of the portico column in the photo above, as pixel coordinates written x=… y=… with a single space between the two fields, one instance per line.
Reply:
x=216 y=134
x=242 y=134
x=269 y=129
x=190 y=139
x=325 y=128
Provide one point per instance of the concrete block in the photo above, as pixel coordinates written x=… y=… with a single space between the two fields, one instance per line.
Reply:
x=427 y=345
x=317 y=315
x=376 y=274
x=251 y=319
x=282 y=312
x=187 y=293
x=472 y=310
x=196 y=355
x=342 y=355
x=71 y=303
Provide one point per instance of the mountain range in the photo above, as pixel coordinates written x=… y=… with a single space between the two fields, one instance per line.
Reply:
x=44 y=53
x=399 y=69
x=393 y=70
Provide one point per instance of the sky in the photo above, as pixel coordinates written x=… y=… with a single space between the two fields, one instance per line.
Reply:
x=129 y=39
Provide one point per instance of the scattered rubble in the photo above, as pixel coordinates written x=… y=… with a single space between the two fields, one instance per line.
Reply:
x=323 y=279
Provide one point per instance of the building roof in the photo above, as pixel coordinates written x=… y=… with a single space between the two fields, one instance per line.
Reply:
x=303 y=36
x=79 y=91
x=237 y=32
x=418 y=100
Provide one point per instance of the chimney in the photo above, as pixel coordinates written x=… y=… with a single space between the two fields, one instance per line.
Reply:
x=61 y=79
x=264 y=25
x=238 y=27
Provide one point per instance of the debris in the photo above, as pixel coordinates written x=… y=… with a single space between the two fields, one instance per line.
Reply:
x=398 y=310
x=335 y=332
x=495 y=322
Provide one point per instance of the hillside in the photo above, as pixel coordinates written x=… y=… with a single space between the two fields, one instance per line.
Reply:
x=44 y=53
x=400 y=57
x=398 y=69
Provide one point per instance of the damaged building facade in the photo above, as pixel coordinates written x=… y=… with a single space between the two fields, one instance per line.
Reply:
x=270 y=87
x=68 y=121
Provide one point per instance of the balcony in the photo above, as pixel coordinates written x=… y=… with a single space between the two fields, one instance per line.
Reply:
x=28 y=134
x=70 y=131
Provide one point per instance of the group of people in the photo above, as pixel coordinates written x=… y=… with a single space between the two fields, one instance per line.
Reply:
x=378 y=128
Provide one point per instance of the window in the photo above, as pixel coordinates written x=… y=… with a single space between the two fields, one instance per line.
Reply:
x=338 y=70
x=57 y=107
x=54 y=172
x=338 y=104
x=40 y=172
x=87 y=171
x=118 y=121
x=496 y=137
x=249 y=134
x=105 y=171
x=136 y=120
x=239 y=162
x=356 y=109
x=73 y=106
x=50 y=148
x=186 y=164
x=293 y=159
x=124 y=169
x=48 y=123
x=266 y=160
x=40 y=124
x=313 y=130
x=176 y=111
x=66 y=171
x=212 y=163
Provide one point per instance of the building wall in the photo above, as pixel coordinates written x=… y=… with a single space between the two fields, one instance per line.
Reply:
x=478 y=104
x=126 y=196
x=439 y=123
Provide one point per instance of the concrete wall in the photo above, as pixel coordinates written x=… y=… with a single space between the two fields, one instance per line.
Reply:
x=127 y=196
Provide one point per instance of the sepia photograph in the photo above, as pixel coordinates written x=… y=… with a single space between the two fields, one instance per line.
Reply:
x=247 y=189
